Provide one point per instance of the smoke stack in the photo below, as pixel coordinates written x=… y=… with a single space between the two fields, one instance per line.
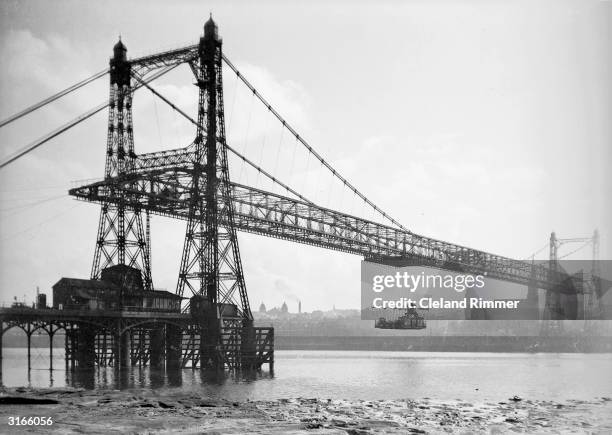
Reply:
x=300 y=307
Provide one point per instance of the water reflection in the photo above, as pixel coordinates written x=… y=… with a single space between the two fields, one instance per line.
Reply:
x=352 y=375
x=148 y=378
x=175 y=377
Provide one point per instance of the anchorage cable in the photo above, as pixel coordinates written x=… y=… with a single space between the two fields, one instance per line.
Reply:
x=229 y=148
x=311 y=149
x=52 y=98
x=32 y=146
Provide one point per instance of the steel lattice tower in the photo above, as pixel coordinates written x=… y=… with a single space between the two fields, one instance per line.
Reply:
x=211 y=266
x=122 y=238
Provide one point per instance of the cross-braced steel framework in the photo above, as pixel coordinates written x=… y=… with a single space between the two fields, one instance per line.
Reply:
x=210 y=264
x=193 y=184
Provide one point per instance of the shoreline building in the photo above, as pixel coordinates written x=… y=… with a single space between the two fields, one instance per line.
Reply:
x=120 y=288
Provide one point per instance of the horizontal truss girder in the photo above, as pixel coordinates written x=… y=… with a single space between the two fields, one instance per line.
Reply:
x=161 y=181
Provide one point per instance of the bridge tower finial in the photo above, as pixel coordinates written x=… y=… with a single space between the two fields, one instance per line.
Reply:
x=211 y=30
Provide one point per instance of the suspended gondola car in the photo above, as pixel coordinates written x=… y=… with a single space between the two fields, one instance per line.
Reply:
x=410 y=320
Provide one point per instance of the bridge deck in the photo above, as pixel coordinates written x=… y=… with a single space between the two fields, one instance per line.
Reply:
x=161 y=185
x=50 y=314
x=124 y=337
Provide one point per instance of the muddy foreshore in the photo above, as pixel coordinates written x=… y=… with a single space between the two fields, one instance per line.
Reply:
x=145 y=412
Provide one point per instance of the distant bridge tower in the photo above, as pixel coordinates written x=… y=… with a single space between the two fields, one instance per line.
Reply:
x=553 y=298
x=589 y=288
x=593 y=305
x=122 y=238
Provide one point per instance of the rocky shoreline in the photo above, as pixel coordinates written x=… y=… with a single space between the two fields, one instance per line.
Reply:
x=146 y=412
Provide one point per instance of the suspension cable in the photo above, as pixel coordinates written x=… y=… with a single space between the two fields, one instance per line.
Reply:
x=263 y=146
x=31 y=204
x=157 y=94
x=246 y=137
x=32 y=146
x=575 y=250
x=268 y=175
x=311 y=149
x=229 y=148
x=532 y=256
x=52 y=98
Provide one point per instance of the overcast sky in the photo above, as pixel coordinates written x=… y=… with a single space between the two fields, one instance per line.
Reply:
x=483 y=123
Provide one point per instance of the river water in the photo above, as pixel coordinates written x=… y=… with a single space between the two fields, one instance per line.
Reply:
x=351 y=375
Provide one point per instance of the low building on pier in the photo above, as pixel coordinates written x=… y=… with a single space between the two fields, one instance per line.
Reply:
x=119 y=289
